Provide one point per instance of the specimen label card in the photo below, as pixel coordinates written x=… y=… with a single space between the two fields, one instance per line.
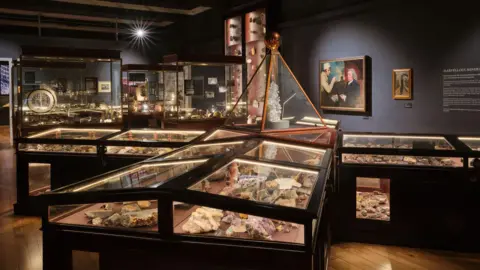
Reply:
x=461 y=89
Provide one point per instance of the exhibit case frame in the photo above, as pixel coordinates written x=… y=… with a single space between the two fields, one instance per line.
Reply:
x=405 y=189
x=180 y=198
x=199 y=89
x=66 y=87
x=45 y=158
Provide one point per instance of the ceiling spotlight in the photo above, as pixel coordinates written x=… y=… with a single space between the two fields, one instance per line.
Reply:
x=140 y=33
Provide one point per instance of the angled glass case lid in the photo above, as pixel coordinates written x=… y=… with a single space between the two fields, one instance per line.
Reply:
x=225 y=134
x=159 y=135
x=472 y=142
x=262 y=182
x=282 y=105
x=143 y=175
x=396 y=142
x=205 y=150
x=291 y=153
x=74 y=133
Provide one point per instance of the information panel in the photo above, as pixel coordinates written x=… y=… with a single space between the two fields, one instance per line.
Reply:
x=461 y=89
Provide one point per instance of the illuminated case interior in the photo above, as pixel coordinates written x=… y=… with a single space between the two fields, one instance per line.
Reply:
x=243 y=191
x=64 y=87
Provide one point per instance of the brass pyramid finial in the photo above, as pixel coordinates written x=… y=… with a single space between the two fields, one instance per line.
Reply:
x=272 y=41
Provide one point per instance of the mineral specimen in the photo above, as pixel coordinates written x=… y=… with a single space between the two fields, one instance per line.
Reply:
x=130 y=208
x=114 y=220
x=286 y=202
x=97 y=221
x=99 y=213
x=144 y=204
x=203 y=220
x=140 y=218
x=373 y=205
x=260 y=228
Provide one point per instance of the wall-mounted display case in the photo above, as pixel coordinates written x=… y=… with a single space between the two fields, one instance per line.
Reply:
x=265 y=197
x=391 y=188
x=245 y=36
x=66 y=87
x=200 y=88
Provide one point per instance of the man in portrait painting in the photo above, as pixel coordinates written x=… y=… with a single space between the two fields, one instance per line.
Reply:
x=327 y=95
x=349 y=97
x=402 y=89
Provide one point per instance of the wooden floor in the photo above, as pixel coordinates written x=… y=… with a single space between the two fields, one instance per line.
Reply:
x=21 y=242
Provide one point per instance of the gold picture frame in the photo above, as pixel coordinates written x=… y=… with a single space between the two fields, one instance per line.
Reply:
x=343 y=84
x=402 y=84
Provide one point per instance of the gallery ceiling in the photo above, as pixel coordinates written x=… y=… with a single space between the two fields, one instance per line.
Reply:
x=103 y=19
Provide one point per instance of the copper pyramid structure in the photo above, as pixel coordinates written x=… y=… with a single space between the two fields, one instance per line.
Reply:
x=274 y=101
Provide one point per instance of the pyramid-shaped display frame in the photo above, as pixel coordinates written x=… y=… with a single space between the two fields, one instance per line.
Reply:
x=287 y=106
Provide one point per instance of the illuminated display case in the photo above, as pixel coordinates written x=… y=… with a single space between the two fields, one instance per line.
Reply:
x=257 y=197
x=45 y=158
x=280 y=108
x=67 y=87
x=201 y=88
x=143 y=94
x=391 y=188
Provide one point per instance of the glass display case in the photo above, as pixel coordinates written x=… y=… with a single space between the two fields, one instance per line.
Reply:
x=149 y=142
x=434 y=144
x=281 y=107
x=143 y=92
x=60 y=87
x=391 y=188
x=201 y=87
x=60 y=137
x=244 y=197
x=141 y=214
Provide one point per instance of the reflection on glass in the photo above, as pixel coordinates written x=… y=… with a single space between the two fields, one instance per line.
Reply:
x=403 y=160
x=203 y=150
x=288 y=153
x=138 y=215
x=224 y=134
x=261 y=182
x=398 y=142
x=472 y=142
x=321 y=136
x=158 y=135
x=138 y=176
x=373 y=198
x=38 y=178
x=205 y=221
x=137 y=150
x=74 y=133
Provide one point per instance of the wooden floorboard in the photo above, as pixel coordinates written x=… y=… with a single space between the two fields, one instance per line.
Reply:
x=21 y=240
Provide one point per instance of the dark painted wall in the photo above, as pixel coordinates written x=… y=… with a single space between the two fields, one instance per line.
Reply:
x=413 y=34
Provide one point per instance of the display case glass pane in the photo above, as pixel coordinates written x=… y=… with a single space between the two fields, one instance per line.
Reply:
x=472 y=142
x=261 y=182
x=224 y=134
x=158 y=135
x=203 y=150
x=204 y=221
x=69 y=91
x=59 y=148
x=138 y=150
x=74 y=133
x=396 y=142
x=320 y=136
x=288 y=153
x=136 y=215
x=373 y=198
x=138 y=176
x=402 y=160
x=39 y=176
x=145 y=92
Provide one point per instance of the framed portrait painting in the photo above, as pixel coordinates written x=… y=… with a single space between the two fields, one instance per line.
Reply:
x=342 y=84
x=402 y=83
